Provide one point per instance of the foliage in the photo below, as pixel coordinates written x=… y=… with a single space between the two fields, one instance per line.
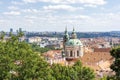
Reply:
x=63 y=72
x=112 y=78
x=37 y=48
x=19 y=62
x=116 y=64
x=103 y=78
x=75 y=72
x=83 y=73
x=2 y=34
x=109 y=78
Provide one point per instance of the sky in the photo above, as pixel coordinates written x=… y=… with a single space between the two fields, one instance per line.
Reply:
x=55 y=15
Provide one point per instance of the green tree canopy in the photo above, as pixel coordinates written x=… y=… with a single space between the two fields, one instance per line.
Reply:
x=115 y=52
x=19 y=62
x=75 y=72
x=83 y=73
x=37 y=48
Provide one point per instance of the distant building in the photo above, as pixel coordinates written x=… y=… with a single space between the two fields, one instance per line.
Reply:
x=34 y=40
x=11 y=30
x=43 y=44
x=20 y=29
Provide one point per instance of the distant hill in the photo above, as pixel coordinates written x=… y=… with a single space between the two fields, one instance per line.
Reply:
x=79 y=34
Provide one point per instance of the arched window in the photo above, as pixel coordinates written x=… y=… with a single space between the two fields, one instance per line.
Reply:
x=71 y=53
x=67 y=53
x=77 y=53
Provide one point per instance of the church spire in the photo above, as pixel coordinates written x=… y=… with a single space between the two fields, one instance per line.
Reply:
x=73 y=36
x=73 y=30
x=66 y=30
x=66 y=36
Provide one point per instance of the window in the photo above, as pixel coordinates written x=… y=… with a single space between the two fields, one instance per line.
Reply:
x=67 y=52
x=70 y=53
x=77 y=53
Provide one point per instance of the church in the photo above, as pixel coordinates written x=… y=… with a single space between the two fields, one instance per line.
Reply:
x=73 y=48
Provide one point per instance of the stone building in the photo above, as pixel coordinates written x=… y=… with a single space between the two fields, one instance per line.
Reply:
x=73 y=47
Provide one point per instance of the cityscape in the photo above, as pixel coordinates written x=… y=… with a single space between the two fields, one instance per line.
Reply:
x=59 y=40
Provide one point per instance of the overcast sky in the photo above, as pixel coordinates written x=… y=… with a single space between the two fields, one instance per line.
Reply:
x=55 y=15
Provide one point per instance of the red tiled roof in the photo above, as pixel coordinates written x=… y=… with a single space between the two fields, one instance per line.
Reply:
x=102 y=49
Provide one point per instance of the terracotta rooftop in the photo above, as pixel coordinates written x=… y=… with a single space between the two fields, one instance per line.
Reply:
x=51 y=53
x=96 y=57
x=102 y=49
x=95 y=60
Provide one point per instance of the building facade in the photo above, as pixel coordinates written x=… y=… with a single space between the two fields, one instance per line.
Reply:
x=73 y=47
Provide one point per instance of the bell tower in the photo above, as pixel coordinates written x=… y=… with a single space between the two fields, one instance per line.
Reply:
x=65 y=37
x=73 y=35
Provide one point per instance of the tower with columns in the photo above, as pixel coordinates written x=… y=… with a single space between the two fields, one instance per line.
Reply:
x=73 y=47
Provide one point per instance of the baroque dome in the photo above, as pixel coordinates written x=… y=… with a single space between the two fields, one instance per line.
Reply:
x=73 y=42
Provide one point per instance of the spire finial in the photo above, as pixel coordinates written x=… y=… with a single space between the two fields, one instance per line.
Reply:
x=73 y=29
x=74 y=36
x=66 y=28
x=66 y=36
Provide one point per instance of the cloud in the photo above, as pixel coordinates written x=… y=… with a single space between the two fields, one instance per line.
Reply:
x=30 y=21
x=34 y=1
x=90 y=5
x=82 y=17
x=31 y=17
x=30 y=10
x=30 y=1
x=61 y=7
x=42 y=17
x=50 y=22
x=1 y=21
x=93 y=2
x=17 y=3
x=13 y=8
x=12 y=13
x=0 y=2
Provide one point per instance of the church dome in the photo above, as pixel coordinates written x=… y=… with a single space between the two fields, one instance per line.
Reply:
x=73 y=42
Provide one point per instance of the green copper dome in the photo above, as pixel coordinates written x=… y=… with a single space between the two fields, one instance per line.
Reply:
x=73 y=42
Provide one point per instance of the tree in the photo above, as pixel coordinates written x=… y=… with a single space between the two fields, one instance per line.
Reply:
x=39 y=49
x=19 y=62
x=63 y=72
x=83 y=73
x=2 y=34
x=75 y=72
x=115 y=52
